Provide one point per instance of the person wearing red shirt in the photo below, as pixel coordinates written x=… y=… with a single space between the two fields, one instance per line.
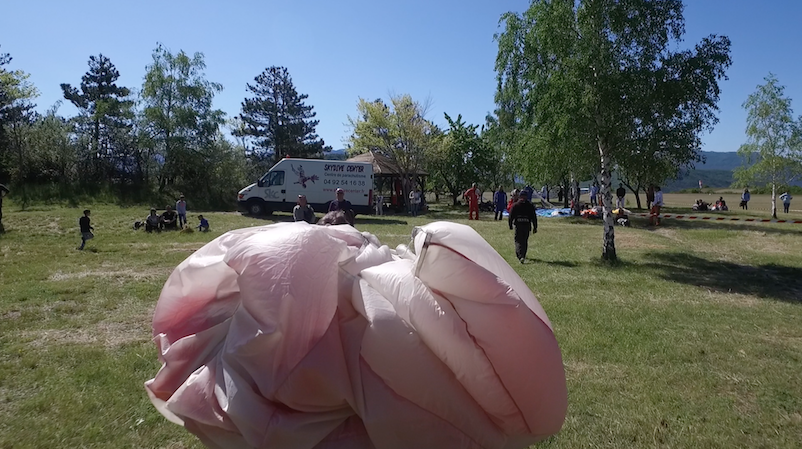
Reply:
x=473 y=202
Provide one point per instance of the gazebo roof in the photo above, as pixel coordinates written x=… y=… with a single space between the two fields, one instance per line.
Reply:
x=382 y=165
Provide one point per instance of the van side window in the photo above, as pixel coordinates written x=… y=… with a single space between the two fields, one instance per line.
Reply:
x=276 y=178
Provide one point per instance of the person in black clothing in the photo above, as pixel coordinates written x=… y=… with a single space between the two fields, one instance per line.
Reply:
x=344 y=205
x=86 y=229
x=153 y=222
x=3 y=192
x=620 y=194
x=169 y=219
x=523 y=217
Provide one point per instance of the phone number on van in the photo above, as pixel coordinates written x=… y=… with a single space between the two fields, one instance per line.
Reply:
x=343 y=182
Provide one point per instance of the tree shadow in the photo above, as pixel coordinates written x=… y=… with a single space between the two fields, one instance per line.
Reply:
x=771 y=281
x=558 y=263
x=681 y=224
x=780 y=228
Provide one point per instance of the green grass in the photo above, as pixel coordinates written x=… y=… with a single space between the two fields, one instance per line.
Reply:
x=693 y=340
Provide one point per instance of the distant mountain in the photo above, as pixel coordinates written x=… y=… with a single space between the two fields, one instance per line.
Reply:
x=720 y=161
x=690 y=180
x=336 y=155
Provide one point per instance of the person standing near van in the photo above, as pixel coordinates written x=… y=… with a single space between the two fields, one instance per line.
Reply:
x=344 y=205
x=181 y=210
x=380 y=204
x=303 y=211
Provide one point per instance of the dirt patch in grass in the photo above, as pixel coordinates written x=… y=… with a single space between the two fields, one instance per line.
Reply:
x=142 y=274
x=189 y=247
x=126 y=325
x=575 y=369
x=631 y=240
x=107 y=334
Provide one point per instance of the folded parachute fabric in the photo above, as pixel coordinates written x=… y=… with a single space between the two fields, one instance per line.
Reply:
x=300 y=336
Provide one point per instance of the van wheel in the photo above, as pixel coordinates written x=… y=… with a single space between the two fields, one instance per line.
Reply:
x=257 y=208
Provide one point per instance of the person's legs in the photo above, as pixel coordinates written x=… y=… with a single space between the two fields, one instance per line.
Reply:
x=524 y=245
x=786 y=206
x=746 y=205
x=83 y=242
x=475 y=210
x=182 y=219
x=521 y=243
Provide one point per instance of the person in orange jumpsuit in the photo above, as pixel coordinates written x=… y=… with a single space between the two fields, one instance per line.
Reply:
x=473 y=202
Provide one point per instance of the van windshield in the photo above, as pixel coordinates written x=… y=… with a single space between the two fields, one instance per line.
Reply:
x=273 y=178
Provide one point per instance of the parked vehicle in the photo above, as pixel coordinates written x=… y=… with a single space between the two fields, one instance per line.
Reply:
x=318 y=179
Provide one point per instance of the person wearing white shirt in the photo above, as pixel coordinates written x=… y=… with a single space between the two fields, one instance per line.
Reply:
x=414 y=201
x=654 y=215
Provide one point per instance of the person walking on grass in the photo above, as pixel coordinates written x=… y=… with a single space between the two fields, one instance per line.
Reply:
x=181 y=210
x=654 y=214
x=745 y=197
x=524 y=219
x=786 y=198
x=500 y=201
x=86 y=229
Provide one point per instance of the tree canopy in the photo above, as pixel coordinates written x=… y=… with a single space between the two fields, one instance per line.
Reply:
x=400 y=131
x=460 y=158
x=773 y=151
x=105 y=117
x=600 y=76
x=278 y=120
x=179 y=120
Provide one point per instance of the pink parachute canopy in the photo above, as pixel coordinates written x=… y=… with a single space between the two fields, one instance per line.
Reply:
x=300 y=336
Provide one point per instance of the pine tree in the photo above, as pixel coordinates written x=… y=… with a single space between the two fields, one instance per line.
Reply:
x=278 y=120
x=105 y=110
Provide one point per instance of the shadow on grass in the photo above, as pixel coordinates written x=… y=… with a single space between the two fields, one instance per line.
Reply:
x=360 y=219
x=671 y=223
x=770 y=281
x=558 y=263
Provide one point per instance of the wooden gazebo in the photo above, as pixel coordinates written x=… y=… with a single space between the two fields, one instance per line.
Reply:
x=388 y=179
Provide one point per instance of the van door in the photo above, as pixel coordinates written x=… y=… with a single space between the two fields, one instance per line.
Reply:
x=274 y=193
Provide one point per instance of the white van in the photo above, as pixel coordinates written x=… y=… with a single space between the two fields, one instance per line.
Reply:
x=318 y=179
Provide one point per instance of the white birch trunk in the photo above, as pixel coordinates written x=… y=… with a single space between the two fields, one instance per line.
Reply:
x=774 y=200
x=608 y=241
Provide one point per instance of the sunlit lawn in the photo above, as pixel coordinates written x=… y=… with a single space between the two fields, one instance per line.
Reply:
x=694 y=340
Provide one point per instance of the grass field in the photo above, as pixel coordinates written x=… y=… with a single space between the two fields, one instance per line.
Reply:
x=693 y=340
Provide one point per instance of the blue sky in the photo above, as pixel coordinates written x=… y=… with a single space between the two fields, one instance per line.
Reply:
x=338 y=51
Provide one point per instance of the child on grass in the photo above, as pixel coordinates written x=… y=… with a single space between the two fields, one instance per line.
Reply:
x=204 y=224
x=86 y=229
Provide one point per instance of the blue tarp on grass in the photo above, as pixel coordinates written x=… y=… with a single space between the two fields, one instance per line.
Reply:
x=548 y=213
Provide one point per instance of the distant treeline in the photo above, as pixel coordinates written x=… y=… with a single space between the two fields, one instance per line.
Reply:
x=150 y=144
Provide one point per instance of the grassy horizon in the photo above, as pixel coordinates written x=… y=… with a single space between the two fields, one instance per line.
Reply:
x=692 y=340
